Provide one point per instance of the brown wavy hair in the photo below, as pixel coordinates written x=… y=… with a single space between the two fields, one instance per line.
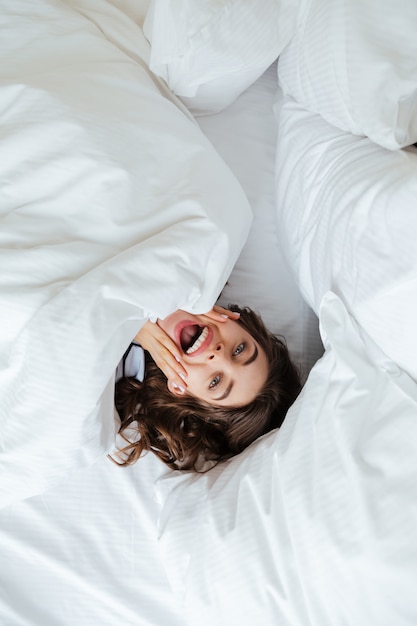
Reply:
x=183 y=430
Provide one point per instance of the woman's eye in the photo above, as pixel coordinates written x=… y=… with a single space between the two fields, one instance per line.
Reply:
x=215 y=382
x=241 y=347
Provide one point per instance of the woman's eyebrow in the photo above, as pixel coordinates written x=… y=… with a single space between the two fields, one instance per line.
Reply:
x=250 y=360
x=225 y=394
x=253 y=357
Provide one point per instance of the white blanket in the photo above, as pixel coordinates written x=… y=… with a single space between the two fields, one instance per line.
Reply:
x=314 y=524
x=114 y=209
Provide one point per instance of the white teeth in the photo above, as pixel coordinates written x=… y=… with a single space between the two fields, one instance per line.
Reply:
x=197 y=343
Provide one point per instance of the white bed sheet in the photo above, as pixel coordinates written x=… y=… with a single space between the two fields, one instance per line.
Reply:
x=271 y=536
x=315 y=524
x=111 y=211
x=86 y=551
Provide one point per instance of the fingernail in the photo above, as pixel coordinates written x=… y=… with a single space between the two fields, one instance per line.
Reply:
x=182 y=375
x=177 y=358
x=224 y=315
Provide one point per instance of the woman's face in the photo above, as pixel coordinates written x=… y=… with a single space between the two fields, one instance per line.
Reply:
x=225 y=365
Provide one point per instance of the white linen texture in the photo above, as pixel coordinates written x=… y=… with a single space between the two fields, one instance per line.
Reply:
x=112 y=211
x=355 y=63
x=314 y=523
x=347 y=222
x=209 y=52
x=245 y=135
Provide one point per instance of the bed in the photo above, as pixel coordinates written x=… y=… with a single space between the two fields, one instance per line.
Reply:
x=169 y=155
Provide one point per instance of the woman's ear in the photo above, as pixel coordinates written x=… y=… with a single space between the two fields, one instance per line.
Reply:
x=177 y=390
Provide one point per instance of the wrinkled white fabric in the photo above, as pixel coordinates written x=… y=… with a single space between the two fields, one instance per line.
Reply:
x=355 y=63
x=314 y=524
x=346 y=214
x=114 y=208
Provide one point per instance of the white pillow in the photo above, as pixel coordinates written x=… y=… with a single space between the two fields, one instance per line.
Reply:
x=112 y=212
x=346 y=213
x=355 y=63
x=315 y=521
x=209 y=52
x=244 y=134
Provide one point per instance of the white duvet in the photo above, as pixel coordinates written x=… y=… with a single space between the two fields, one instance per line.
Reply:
x=114 y=208
x=314 y=524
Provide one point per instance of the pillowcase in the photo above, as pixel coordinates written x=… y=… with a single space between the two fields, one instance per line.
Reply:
x=314 y=518
x=112 y=213
x=209 y=52
x=347 y=222
x=244 y=134
x=356 y=65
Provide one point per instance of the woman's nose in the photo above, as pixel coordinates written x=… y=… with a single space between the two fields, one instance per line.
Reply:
x=215 y=351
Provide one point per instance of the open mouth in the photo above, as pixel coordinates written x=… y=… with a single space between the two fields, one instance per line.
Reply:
x=192 y=337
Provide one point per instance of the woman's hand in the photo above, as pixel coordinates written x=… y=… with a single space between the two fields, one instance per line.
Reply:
x=164 y=352
x=219 y=314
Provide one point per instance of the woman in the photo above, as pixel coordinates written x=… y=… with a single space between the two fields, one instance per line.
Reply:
x=213 y=384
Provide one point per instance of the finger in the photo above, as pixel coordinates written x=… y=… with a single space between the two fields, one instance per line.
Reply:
x=216 y=314
x=172 y=375
x=174 y=361
x=163 y=351
x=151 y=336
x=219 y=314
x=226 y=313
x=179 y=388
x=230 y=314
x=170 y=345
x=169 y=363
